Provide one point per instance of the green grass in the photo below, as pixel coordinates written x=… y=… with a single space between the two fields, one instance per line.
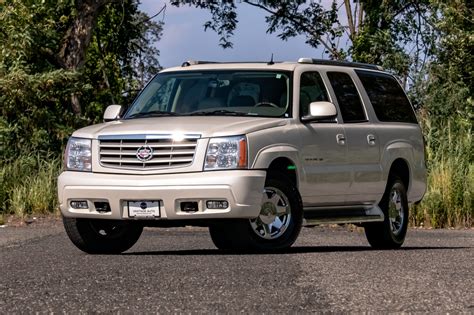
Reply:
x=28 y=186
x=449 y=199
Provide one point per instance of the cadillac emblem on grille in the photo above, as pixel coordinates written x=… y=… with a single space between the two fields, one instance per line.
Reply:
x=144 y=153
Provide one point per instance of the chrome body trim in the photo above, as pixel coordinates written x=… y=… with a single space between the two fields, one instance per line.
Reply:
x=329 y=215
x=342 y=220
x=165 y=151
x=148 y=136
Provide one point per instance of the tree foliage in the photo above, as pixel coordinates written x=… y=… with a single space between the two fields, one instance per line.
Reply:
x=98 y=52
x=397 y=35
x=446 y=92
x=223 y=20
x=451 y=74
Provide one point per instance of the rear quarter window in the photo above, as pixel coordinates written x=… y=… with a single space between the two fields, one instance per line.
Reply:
x=387 y=97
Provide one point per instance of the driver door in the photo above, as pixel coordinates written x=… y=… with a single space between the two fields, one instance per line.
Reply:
x=326 y=175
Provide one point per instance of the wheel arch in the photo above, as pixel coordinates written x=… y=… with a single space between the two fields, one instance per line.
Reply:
x=398 y=158
x=282 y=159
x=285 y=166
x=401 y=169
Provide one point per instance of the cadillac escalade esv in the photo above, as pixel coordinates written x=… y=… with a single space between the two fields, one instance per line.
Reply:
x=254 y=151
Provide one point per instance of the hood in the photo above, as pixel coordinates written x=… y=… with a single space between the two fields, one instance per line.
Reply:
x=206 y=126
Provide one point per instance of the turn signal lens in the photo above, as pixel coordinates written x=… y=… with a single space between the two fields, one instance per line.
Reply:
x=217 y=204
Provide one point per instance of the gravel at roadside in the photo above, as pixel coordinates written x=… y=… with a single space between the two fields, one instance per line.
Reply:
x=17 y=231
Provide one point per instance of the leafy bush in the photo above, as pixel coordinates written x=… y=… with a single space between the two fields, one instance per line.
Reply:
x=33 y=118
x=37 y=86
x=447 y=118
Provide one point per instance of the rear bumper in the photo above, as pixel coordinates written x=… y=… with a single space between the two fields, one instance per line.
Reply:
x=241 y=188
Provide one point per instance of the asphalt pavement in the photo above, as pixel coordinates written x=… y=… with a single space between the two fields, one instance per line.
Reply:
x=180 y=271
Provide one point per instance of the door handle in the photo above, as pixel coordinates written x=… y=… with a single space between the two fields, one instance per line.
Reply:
x=341 y=139
x=371 y=139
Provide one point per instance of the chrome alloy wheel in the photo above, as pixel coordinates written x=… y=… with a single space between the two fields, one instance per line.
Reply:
x=275 y=215
x=396 y=213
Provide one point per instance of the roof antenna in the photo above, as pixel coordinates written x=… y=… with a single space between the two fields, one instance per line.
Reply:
x=271 y=61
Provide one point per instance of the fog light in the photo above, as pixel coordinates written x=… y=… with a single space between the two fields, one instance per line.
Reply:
x=101 y=206
x=217 y=204
x=79 y=204
x=189 y=206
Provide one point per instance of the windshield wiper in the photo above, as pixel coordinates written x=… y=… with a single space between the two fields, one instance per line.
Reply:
x=153 y=113
x=218 y=112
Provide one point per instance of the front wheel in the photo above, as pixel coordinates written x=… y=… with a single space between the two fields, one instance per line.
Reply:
x=95 y=236
x=390 y=233
x=276 y=227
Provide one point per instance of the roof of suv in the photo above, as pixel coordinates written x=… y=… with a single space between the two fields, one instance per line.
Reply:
x=289 y=66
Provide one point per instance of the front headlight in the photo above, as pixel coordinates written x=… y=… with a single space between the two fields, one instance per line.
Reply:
x=78 y=155
x=226 y=153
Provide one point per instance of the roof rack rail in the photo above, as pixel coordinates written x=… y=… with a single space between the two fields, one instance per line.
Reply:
x=203 y=62
x=339 y=63
x=196 y=62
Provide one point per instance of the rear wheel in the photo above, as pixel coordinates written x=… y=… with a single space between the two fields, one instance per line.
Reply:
x=390 y=233
x=276 y=227
x=102 y=236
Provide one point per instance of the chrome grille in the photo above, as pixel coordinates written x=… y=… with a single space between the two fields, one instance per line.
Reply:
x=168 y=152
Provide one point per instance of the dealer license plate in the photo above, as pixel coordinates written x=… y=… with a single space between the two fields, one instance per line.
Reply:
x=144 y=209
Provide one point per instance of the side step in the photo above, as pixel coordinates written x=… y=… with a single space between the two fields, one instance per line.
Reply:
x=316 y=216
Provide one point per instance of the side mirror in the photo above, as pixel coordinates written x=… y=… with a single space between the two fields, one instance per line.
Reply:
x=320 y=111
x=112 y=112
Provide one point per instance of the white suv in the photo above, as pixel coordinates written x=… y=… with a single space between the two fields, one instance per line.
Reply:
x=254 y=151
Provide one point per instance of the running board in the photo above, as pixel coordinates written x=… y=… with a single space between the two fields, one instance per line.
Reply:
x=342 y=216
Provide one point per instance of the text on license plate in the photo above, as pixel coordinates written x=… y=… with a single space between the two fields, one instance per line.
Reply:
x=143 y=209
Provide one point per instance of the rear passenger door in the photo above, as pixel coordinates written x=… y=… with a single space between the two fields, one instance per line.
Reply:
x=363 y=150
x=397 y=129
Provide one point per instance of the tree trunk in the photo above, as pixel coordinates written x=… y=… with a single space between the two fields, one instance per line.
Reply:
x=350 y=19
x=75 y=104
x=77 y=39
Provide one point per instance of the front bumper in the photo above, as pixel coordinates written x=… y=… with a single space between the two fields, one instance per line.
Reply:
x=243 y=189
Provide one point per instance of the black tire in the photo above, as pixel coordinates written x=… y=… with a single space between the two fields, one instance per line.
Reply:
x=226 y=236
x=390 y=234
x=102 y=236
x=244 y=235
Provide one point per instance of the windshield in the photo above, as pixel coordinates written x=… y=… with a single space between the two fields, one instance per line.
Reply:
x=240 y=93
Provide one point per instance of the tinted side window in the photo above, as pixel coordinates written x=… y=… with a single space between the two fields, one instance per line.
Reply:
x=387 y=97
x=311 y=90
x=347 y=97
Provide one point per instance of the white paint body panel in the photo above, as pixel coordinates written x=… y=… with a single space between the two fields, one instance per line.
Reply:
x=241 y=188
